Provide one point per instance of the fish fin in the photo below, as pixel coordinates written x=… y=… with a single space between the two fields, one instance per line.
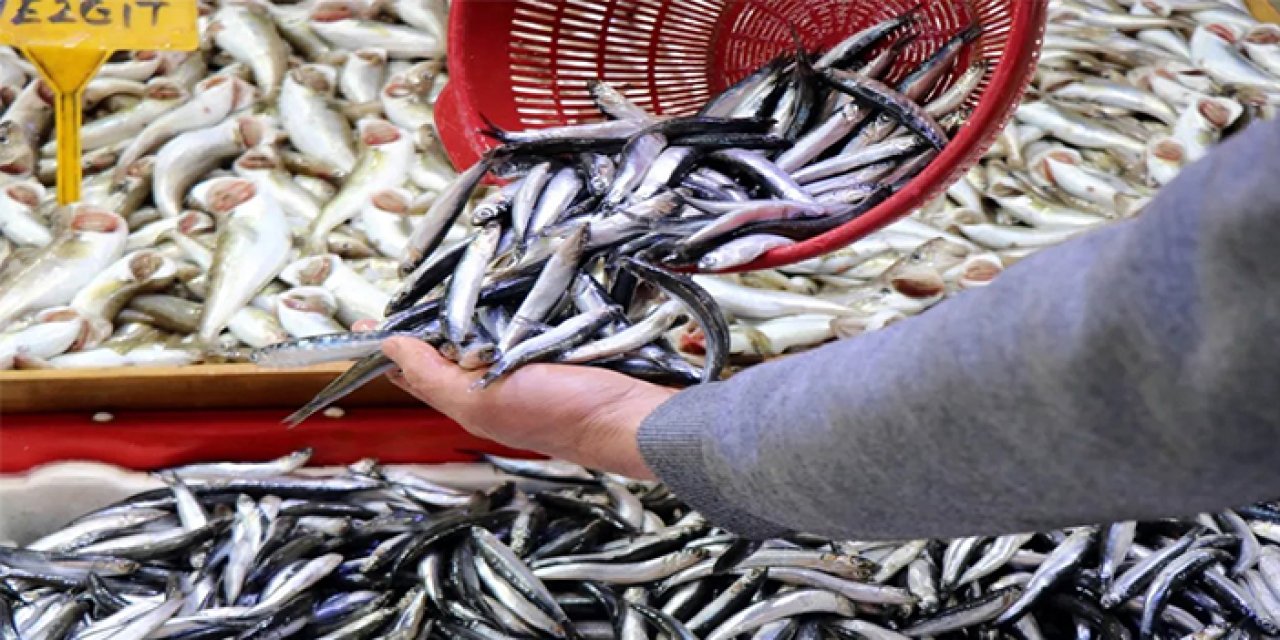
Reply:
x=802 y=55
x=309 y=409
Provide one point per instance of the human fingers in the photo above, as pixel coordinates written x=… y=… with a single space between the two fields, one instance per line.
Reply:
x=432 y=378
x=364 y=325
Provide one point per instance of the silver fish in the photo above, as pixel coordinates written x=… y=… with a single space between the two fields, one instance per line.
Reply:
x=398 y=41
x=464 y=288
x=212 y=101
x=185 y=158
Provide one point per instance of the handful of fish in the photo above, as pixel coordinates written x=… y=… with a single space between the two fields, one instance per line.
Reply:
x=572 y=260
x=261 y=550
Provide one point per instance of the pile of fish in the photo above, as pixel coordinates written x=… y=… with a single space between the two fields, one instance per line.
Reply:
x=294 y=126
x=1126 y=94
x=260 y=550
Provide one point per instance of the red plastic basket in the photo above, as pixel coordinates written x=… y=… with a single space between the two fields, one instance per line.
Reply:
x=525 y=63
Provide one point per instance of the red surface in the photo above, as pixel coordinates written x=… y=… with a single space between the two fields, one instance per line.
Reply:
x=523 y=63
x=154 y=440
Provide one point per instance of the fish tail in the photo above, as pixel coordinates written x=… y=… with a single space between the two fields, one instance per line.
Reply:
x=311 y=408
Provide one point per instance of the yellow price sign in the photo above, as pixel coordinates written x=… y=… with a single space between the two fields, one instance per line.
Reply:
x=67 y=40
x=1267 y=10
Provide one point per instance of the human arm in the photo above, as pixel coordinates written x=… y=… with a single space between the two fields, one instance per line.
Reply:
x=1131 y=373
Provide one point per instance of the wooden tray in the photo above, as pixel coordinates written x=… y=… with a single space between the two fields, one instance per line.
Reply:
x=196 y=387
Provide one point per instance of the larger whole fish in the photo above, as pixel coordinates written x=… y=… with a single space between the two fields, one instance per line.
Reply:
x=93 y=239
x=314 y=128
x=182 y=160
x=252 y=247
x=246 y=31
x=383 y=164
x=213 y=100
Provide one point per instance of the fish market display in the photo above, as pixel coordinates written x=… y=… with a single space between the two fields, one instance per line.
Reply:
x=234 y=197
x=1091 y=145
x=257 y=550
x=180 y=146
x=266 y=186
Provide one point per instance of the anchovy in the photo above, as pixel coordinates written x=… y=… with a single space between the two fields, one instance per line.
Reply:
x=911 y=114
x=1058 y=566
x=804 y=601
x=1174 y=574
x=1128 y=584
x=702 y=306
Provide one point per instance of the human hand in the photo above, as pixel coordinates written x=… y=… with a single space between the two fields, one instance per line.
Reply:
x=585 y=415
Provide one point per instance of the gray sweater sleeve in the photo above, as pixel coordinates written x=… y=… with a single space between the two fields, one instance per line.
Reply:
x=1130 y=373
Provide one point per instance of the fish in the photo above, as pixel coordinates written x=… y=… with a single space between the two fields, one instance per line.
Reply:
x=357 y=298
x=182 y=160
x=331 y=568
x=548 y=344
x=246 y=32
x=802 y=601
x=159 y=97
x=308 y=312
x=313 y=127
x=553 y=281
x=464 y=287
x=1214 y=48
x=111 y=289
x=18 y=221
x=432 y=228
x=93 y=239
x=1262 y=44
x=212 y=101
x=265 y=169
x=407 y=108
x=51 y=332
x=1057 y=567
x=399 y=41
x=382 y=165
x=362 y=75
x=252 y=248
x=637 y=178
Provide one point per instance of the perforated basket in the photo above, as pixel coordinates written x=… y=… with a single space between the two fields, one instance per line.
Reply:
x=525 y=63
